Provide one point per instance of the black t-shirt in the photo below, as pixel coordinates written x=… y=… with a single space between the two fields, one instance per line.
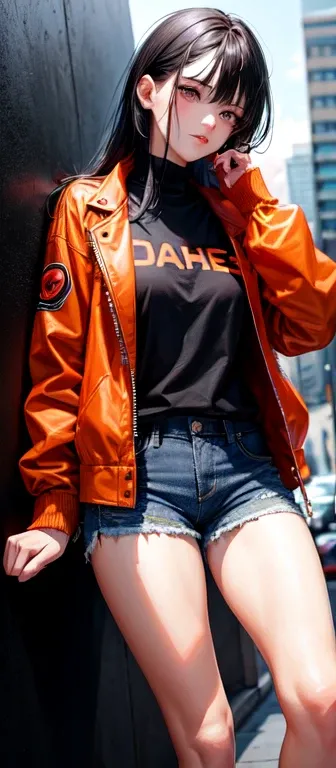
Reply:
x=192 y=308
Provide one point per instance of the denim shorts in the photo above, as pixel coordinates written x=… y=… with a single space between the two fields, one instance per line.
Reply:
x=196 y=476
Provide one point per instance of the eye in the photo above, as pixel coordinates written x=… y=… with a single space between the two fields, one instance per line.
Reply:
x=230 y=116
x=189 y=93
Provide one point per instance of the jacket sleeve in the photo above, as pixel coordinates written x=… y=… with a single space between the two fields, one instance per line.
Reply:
x=298 y=282
x=50 y=469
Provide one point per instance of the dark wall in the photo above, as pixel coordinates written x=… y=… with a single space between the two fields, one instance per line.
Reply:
x=61 y=62
x=71 y=693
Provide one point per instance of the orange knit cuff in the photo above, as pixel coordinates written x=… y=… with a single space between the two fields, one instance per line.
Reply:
x=248 y=191
x=56 y=509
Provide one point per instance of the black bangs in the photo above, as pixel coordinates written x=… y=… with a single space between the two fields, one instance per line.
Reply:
x=240 y=82
x=240 y=73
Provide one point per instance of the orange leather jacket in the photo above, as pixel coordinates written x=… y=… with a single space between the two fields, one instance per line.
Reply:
x=82 y=412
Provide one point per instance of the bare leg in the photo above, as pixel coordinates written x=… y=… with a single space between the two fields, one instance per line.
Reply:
x=270 y=575
x=155 y=588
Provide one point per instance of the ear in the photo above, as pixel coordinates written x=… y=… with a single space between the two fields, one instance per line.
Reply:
x=146 y=92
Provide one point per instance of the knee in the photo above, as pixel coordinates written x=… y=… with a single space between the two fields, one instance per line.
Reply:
x=215 y=746
x=312 y=705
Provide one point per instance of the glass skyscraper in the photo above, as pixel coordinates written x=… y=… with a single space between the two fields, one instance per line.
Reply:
x=301 y=182
x=312 y=184
x=309 y=6
x=320 y=46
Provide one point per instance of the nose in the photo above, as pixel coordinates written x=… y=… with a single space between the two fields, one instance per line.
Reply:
x=209 y=121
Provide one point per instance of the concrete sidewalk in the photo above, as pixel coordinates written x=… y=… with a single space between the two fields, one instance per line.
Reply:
x=259 y=739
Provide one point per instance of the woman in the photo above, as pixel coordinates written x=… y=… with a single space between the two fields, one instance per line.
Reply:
x=157 y=400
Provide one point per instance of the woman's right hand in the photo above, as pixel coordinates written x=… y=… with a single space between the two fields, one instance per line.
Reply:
x=28 y=552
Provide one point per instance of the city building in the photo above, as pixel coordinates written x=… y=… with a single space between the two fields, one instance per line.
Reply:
x=312 y=375
x=301 y=182
x=319 y=27
x=309 y=6
x=312 y=185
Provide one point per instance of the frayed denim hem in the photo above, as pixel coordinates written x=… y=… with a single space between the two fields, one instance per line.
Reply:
x=174 y=530
x=276 y=508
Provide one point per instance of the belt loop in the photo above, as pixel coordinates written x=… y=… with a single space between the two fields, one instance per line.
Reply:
x=230 y=432
x=156 y=435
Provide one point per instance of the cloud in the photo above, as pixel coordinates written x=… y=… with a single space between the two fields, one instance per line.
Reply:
x=287 y=132
x=297 y=72
x=274 y=171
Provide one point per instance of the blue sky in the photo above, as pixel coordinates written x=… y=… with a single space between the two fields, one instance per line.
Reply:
x=278 y=26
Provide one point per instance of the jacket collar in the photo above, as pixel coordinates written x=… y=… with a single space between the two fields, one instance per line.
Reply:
x=112 y=193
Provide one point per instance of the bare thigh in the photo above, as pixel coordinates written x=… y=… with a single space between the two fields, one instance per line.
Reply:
x=270 y=575
x=154 y=586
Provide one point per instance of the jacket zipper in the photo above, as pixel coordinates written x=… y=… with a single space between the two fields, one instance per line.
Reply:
x=121 y=341
x=308 y=503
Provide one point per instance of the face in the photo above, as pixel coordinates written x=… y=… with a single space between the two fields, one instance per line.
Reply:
x=198 y=127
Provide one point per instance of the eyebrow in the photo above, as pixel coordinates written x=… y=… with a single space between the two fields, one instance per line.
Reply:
x=201 y=82
x=196 y=80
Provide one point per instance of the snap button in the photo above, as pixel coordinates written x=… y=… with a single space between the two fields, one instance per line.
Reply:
x=128 y=476
x=127 y=494
x=102 y=201
x=197 y=426
x=105 y=234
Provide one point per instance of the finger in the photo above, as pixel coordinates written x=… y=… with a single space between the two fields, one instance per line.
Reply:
x=222 y=160
x=37 y=563
x=225 y=165
x=23 y=555
x=234 y=177
x=238 y=159
x=233 y=163
x=10 y=555
x=6 y=555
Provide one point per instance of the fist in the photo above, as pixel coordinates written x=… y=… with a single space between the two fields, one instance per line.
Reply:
x=27 y=553
x=233 y=165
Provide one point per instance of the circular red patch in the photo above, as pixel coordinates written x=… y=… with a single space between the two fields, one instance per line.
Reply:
x=55 y=287
x=53 y=282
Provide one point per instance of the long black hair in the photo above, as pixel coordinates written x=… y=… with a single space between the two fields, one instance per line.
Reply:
x=180 y=39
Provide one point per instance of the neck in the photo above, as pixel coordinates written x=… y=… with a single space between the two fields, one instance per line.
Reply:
x=173 y=180
x=157 y=146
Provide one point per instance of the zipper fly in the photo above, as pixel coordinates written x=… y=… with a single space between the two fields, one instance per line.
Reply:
x=121 y=341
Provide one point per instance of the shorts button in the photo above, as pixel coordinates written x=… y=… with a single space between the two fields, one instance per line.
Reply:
x=127 y=494
x=197 y=426
x=128 y=476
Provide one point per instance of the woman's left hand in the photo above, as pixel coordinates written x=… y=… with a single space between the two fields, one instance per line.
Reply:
x=232 y=157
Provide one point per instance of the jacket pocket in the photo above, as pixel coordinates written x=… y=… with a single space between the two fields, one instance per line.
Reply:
x=90 y=425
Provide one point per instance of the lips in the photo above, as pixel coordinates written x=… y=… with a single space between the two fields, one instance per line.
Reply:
x=202 y=139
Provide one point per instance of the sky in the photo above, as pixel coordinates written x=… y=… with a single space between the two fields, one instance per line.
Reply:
x=278 y=27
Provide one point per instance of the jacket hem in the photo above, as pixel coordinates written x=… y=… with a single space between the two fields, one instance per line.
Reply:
x=108 y=484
